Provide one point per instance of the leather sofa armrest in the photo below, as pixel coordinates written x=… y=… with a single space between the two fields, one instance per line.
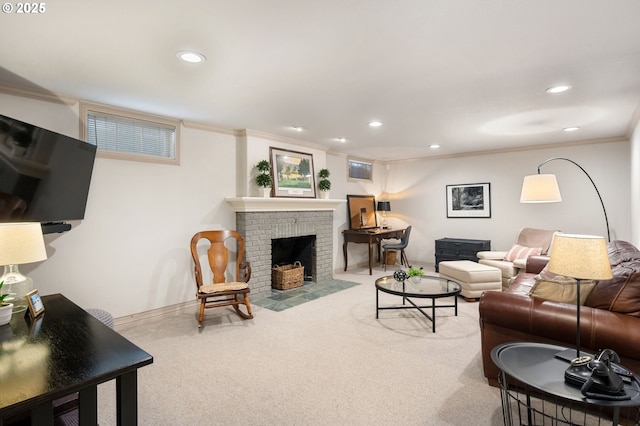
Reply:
x=599 y=328
x=535 y=264
x=493 y=255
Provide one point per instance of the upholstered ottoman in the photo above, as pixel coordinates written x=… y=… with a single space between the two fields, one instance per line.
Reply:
x=474 y=278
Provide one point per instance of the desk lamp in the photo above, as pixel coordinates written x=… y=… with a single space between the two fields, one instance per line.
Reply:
x=583 y=257
x=384 y=207
x=20 y=243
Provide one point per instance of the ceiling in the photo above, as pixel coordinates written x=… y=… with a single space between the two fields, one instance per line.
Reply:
x=467 y=75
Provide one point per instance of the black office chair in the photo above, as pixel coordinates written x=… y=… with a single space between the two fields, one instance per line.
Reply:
x=404 y=242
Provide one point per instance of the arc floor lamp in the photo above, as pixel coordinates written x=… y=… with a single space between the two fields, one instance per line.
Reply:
x=543 y=188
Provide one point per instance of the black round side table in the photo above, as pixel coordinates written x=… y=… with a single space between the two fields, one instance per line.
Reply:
x=533 y=390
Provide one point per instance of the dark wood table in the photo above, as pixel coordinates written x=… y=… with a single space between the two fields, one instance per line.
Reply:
x=370 y=237
x=64 y=351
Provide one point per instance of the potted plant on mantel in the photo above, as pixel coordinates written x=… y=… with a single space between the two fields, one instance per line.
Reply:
x=324 y=184
x=263 y=180
x=6 y=309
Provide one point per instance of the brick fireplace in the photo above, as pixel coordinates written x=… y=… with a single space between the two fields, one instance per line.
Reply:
x=260 y=220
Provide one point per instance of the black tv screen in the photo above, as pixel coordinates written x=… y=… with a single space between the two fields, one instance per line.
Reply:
x=44 y=175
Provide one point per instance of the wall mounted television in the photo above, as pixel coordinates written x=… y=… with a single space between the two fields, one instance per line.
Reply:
x=44 y=175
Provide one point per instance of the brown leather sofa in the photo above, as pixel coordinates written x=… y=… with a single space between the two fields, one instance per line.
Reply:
x=610 y=317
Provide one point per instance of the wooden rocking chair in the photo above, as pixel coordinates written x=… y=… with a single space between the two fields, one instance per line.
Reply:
x=221 y=292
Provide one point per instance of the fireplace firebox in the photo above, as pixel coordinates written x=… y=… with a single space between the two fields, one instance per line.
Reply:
x=286 y=251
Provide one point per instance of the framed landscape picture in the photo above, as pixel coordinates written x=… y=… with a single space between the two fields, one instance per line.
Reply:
x=469 y=200
x=293 y=174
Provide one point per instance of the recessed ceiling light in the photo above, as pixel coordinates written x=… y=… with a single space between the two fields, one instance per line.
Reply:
x=571 y=129
x=434 y=146
x=558 y=89
x=191 y=57
x=375 y=123
x=343 y=140
x=297 y=128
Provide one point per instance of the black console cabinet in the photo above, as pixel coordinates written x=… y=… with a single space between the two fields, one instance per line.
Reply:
x=459 y=249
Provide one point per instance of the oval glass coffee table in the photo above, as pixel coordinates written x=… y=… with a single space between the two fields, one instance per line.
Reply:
x=426 y=288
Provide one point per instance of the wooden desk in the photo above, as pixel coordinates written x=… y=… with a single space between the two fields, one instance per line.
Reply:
x=64 y=351
x=371 y=237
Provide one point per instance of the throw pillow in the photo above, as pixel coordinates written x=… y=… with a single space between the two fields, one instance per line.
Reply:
x=561 y=289
x=521 y=252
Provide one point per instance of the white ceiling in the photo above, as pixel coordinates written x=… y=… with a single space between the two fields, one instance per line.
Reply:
x=469 y=75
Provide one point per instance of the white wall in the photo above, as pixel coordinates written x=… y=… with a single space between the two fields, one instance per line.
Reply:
x=635 y=186
x=254 y=147
x=418 y=197
x=340 y=187
x=130 y=254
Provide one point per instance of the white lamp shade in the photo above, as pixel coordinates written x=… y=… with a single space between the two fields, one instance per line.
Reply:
x=580 y=256
x=540 y=189
x=21 y=243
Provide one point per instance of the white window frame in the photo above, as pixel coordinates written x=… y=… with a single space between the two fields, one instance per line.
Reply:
x=357 y=160
x=87 y=108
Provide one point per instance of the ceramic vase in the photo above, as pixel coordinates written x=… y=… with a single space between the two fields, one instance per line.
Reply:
x=6 y=309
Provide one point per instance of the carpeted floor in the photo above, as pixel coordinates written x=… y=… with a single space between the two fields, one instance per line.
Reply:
x=328 y=361
x=285 y=299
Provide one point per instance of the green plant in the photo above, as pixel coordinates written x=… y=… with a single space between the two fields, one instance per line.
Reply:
x=2 y=296
x=263 y=166
x=415 y=272
x=263 y=179
x=324 y=184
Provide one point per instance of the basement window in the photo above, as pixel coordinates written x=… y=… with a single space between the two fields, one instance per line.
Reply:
x=130 y=135
x=360 y=170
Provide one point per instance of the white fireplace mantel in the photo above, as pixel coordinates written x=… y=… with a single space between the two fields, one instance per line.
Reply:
x=259 y=204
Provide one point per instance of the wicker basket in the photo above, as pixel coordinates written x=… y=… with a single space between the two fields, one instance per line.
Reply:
x=287 y=276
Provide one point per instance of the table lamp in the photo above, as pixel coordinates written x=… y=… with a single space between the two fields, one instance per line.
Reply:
x=581 y=257
x=384 y=207
x=20 y=243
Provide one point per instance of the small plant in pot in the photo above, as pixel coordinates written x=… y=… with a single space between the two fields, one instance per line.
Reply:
x=324 y=184
x=263 y=179
x=6 y=309
x=415 y=274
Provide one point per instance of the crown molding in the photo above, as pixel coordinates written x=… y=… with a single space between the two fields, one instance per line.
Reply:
x=508 y=150
x=277 y=138
x=207 y=127
x=38 y=95
x=633 y=123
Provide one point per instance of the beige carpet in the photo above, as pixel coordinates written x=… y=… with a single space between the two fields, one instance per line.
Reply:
x=326 y=362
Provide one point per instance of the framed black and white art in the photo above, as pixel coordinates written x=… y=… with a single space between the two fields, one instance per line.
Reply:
x=472 y=200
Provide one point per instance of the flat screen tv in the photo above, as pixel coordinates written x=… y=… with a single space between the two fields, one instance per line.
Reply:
x=44 y=175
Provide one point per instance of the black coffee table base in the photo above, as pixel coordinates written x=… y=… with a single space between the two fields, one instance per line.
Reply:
x=433 y=307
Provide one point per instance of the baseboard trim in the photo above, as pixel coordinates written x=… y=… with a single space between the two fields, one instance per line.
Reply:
x=155 y=312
